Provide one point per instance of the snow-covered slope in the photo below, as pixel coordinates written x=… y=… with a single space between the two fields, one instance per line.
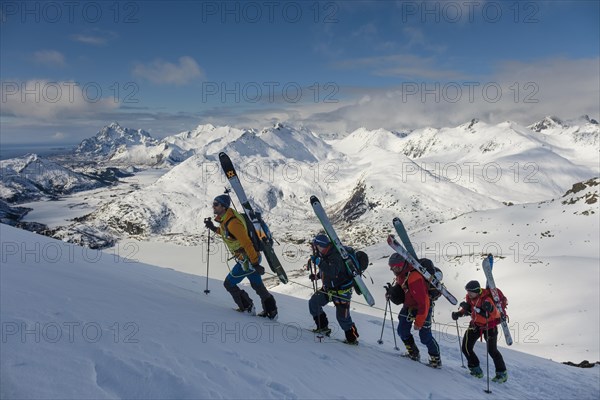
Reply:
x=507 y=162
x=32 y=177
x=576 y=139
x=77 y=327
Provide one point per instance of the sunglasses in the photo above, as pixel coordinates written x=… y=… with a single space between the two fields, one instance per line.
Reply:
x=216 y=204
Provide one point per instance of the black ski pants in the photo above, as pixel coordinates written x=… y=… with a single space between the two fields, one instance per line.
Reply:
x=491 y=336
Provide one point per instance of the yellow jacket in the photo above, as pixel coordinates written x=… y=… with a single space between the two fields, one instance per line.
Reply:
x=235 y=236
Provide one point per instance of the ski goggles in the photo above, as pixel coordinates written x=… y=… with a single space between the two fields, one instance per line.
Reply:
x=397 y=268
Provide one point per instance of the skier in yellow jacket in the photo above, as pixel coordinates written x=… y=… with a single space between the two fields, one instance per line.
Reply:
x=233 y=231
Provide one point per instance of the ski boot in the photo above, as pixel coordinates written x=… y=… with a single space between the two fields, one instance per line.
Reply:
x=412 y=351
x=271 y=315
x=269 y=309
x=476 y=372
x=351 y=335
x=322 y=325
x=249 y=309
x=435 y=361
x=500 y=377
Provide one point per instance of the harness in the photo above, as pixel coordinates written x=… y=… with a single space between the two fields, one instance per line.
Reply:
x=338 y=294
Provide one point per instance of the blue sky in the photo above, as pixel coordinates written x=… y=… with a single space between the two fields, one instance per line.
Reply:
x=163 y=66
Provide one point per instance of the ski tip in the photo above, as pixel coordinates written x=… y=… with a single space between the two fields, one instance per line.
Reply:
x=314 y=199
x=223 y=155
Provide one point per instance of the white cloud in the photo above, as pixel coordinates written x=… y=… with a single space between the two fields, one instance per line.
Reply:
x=530 y=91
x=95 y=37
x=59 y=136
x=164 y=72
x=50 y=101
x=50 y=58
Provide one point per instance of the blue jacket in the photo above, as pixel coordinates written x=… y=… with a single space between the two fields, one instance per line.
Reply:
x=333 y=270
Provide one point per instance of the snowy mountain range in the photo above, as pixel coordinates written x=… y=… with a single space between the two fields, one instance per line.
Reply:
x=426 y=175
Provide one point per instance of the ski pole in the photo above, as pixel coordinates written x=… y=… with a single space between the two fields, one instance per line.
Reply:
x=207 y=291
x=312 y=267
x=393 y=330
x=487 y=349
x=380 y=341
x=460 y=346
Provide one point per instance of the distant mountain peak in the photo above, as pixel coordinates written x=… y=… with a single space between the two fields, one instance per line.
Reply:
x=111 y=137
x=547 y=123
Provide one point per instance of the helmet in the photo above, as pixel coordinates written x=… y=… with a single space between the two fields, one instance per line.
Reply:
x=473 y=286
x=321 y=240
x=396 y=263
x=224 y=200
x=396 y=260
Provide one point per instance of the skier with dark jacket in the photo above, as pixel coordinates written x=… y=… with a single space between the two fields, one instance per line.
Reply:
x=417 y=309
x=337 y=287
x=485 y=318
x=234 y=233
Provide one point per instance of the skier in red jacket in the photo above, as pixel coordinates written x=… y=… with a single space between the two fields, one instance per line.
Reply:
x=417 y=309
x=485 y=318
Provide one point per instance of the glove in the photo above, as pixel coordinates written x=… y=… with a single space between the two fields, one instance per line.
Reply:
x=456 y=315
x=465 y=306
x=487 y=306
x=209 y=224
x=259 y=268
x=387 y=287
x=313 y=277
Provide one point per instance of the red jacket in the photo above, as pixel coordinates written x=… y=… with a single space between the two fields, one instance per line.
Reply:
x=416 y=295
x=476 y=303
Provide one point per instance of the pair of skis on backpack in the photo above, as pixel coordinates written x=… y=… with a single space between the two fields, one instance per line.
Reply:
x=261 y=237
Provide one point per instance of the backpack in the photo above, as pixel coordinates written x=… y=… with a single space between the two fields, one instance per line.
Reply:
x=363 y=260
x=250 y=230
x=434 y=293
